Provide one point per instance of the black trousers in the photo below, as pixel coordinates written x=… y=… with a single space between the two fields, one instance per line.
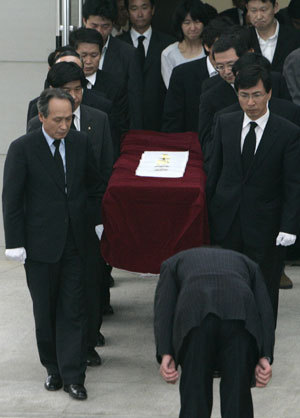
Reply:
x=270 y=259
x=58 y=295
x=222 y=344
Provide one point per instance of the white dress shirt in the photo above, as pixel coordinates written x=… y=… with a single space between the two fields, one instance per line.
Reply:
x=135 y=35
x=76 y=113
x=62 y=148
x=91 y=80
x=268 y=46
x=210 y=68
x=103 y=52
x=259 y=130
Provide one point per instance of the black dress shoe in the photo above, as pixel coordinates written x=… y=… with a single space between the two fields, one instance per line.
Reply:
x=93 y=358
x=53 y=382
x=76 y=391
x=108 y=310
x=100 y=340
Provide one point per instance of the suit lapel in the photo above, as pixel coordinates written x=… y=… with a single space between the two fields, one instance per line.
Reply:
x=280 y=47
x=85 y=120
x=151 y=51
x=70 y=160
x=45 y=156
x=237 y=141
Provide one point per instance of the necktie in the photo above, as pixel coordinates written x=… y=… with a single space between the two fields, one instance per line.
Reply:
x=249 y=147
x=141 y=49
x=59 y=162
x=73 y=124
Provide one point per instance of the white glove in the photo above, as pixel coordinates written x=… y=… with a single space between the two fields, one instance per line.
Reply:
x=99 y=231
x=16 y=254
x=285 y=239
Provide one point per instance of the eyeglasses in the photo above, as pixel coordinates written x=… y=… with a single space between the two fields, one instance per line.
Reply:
x=221 y=67
x=254 y=96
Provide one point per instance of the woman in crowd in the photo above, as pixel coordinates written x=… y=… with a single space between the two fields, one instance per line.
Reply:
x=190 y=17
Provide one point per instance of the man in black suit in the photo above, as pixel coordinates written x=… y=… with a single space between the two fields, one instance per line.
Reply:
x=271 y=39
x=117 y=57
x=50 y=184
x=150 y=43
x=88 y=44
x=69 y=77
x=236 y=14
x=212 y=312
x=228 y=51
x=253 y=185
x=181 y=106
x=89 y=98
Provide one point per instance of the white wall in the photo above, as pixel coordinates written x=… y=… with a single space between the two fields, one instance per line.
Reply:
x=27 y=37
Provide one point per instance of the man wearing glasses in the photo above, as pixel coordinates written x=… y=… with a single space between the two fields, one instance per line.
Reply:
x=253 y=185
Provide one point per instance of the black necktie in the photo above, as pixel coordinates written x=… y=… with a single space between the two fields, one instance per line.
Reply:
x=249 y=147
x=141 y=49
x=59 y=162
x=73 y=124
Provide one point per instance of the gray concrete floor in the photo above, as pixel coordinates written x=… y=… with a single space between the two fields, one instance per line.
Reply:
x=127 y=385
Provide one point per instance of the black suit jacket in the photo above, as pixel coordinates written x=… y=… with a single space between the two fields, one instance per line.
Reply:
x=268 y=196
x=183 y=96
x=233 y=15
x=114 y=89
x=280 y=107
x=96 y=100
x=199 y=281
x=223 y=95
x=95 y=124
x=37 y=211
x=288 y=40
x=153 y=86
x=122 y=60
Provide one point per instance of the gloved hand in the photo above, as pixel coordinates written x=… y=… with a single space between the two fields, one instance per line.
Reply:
x=99 y=231
x=285 y=239
x=16 y=254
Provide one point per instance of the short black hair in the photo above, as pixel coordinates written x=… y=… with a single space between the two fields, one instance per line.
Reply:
x=64 y=72
x=294 y=9
x=47 y=95
x=126 y=3
x=68 y=53
x=103 y=8
x=215 y=28
x=228 y=41
x=197 y=11
x=264 y=1
x=89 y=36
x=249 y=76
x=61 y=49
x=250 y=59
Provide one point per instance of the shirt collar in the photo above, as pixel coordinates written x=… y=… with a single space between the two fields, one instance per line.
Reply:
x=210 y=68
x=261 y=122
x=77 y=113
x=106 y=45
x=92 y=78
x=271 y=38
x=135 y=35
x=49 y=139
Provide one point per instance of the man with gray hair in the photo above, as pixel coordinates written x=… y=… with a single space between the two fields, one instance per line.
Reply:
x=50 y=182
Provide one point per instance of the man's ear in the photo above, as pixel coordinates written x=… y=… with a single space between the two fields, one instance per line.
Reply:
x=153 y=10
x=41 y=117
x=276 y=7
x=207 y=48
x=84 y=21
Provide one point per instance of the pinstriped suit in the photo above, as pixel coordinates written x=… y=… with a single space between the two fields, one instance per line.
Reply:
x=212 y=310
